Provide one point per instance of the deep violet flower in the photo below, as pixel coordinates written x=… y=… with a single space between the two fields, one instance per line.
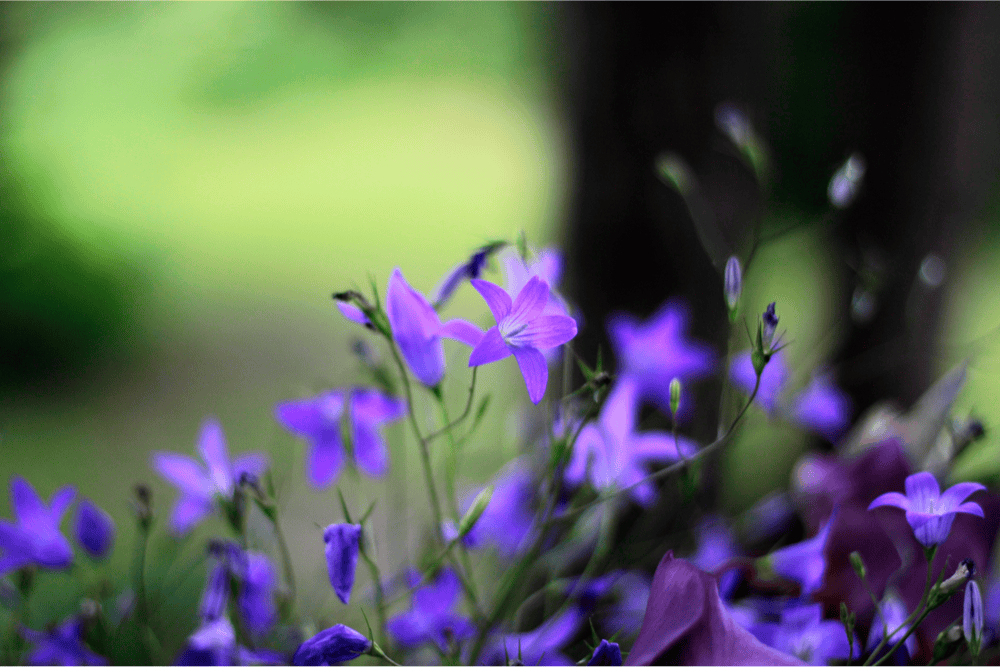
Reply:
x=256 y=580
x=524 y=330
x=35 y=538
x=214 y=643
x=342 y=543
x=317 y=420
x=417 y=329
x=95 y=531
x=610 y=452
x=467 y=270
x=431 y=617
x=331 y=647
x=687 y=624
x=606 y=653
x=928 y=511
x=60 y=646
x=199 y=486
x=657 y=350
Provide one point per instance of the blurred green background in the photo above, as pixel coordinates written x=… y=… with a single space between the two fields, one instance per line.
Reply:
x=184 y=185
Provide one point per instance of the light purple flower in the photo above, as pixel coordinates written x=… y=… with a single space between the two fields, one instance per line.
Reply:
x=200 y=486
x=803 y=633
x=94 y=529
x=318 y=421
x=524 y=330
x=547 y=266
x=332 y=647
x=35 y=538
x=972 y=615
x=342 y=543
x=892 y=613
x=60 y=646
x=610 y=452
x=657 y=350
x=214 y=643
x=431 y=617
x=804 y=561
x=716 y=546
x=928 y=511
x=772 y=379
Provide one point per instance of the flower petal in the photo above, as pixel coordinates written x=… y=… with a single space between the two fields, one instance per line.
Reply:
x=892 y=499
x=257 y=594
x=331 y=647
x=183 y=472
x=370 y=452
x=491 y=348
x=253 y=464
x=496 y=298
x=530 y=301
x=535 y=371
x=930 y=529
x=212 y=446
x=326 y=456
x=352 y=312
x=954 y=496
x=370 y=406
x=545 y=332
x=659 y=447
x=311 y=416
x=342 y=543
x=438 y=596
x=462 y=331
x=971 y=508
x=923 y=491
x=188 y=511
x=27 y=505
x=94 y=528
x=414 y=328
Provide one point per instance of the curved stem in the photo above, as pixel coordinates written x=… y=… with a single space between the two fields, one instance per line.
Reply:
x=909 y=619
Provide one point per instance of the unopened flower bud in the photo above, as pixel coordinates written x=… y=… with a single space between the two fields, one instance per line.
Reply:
x=770 y=324
x=947 y=643
x=675 y=396
x=858 y=564
x=734 y=283
x=972 y=617
x=468 y=522
x=965 y=571
x=143 y=505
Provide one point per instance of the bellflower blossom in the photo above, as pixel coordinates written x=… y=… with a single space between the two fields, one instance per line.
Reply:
x=657 y=350
x=342 y=543
x=417 y=329
x=257 y=579
x=60 y=646
x=803 y=633
x=606 y=653
x=509 y=519
x=716 y=546
x=214 y=643
x=687 y=624
x=317 y=420
x=332 y=646
x=199 y=486
x=805 y=561
x=94 y=529
x=468 y=270
x=892 y=613
x=524 y=330
x=431 y=617
x=547 y=266
x=610 y=452
x=928 y=511
x=35 y=538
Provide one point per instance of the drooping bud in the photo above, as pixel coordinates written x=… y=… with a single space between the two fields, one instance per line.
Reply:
x=94 y=529
x=846 y=181
x=606 y=653
x=468 y=522
x=733 y=284
x=858 y=564
x=343 y=541
x=965 y=571
x=332 y=647
x=972 y=617
x=675 y=396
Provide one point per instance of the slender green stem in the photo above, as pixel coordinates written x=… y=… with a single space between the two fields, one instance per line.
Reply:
x=909 y=620
x=286 y=557
x=376 y=576
x=447 y=428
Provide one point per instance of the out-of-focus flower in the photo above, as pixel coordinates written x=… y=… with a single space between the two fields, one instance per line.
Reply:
x=929 y=512
x=256 y=583
x=509 y=519
x=657 y=350
x=469 y=269
x=540 y=646
x=332 y=647
x=803 y=633
x=94 y=529
x=846 y=181
x=610 y=452
x=716 y=546
x=214 y=643
x=733 y=282
x=317 y=420
x=524 y=330
x=892 y=614
x=687 y=624
x=769 y=322
x=199 y=486
x=972 y=617
x=804 y=562
x=547 y=266
x=35 y=538
x=342 y=543
x=431 y=617
x=606 y=653
x=60 y=646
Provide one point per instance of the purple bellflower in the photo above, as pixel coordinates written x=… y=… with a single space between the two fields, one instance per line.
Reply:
x=606 y=653
x=716 y=546
x=470 y=269
x=803 y=633
x=657 y=350
x=332 y=647
x=431 y=617
x=540 y=646
x=61 y=646
x=417 y=329
x=214 y=643
x=805 y=561
x=318 y=421
x=687 y=624
x=928 y=511
x=35 y=538
x=972 y=616
x=342 y=543
x=611 y=453
x=95 y=531
x=200 y=487
x=820 y=407
x=892 y=614
x=256 y=578
x=547 y=266
x=509 y=519
x=522 y=329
